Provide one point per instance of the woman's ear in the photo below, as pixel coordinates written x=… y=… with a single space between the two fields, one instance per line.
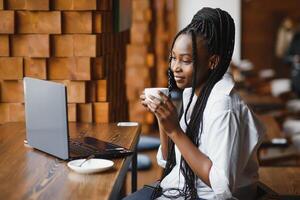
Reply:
x=213 y=61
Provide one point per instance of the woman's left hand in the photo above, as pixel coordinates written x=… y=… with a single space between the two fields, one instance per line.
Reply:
x=165 y=112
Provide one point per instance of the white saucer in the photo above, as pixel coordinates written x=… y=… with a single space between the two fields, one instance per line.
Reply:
x=90 y=166
x=127 y=124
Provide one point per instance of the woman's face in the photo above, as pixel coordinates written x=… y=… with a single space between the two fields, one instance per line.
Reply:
x=182 y=62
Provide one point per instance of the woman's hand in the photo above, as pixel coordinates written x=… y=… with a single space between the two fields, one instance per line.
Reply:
x=144 y=101
x=165 y=112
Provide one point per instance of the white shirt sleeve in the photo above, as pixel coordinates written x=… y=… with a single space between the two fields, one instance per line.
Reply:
x=222 y=149
x=160 y=159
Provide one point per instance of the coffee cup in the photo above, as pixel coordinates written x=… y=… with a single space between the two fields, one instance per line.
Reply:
x=155 y=92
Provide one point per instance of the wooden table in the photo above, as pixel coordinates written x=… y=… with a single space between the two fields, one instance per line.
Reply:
x=283 y=180
x=26 y=173
x=261 y=103
x=273 y=130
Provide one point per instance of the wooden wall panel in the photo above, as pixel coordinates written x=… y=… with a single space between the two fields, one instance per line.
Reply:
x=35 y=68
x=27 y=4
x=1 y=5
x=153 y=27
x=11 y=68
x=12 y=92
x=38 y=22
x=7 y=22
x=75 y=4
x=83 y=22
x=4 y=45
x=66 y=41
x=31 y=45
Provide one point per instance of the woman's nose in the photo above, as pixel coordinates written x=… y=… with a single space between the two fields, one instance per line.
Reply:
x=176 y=66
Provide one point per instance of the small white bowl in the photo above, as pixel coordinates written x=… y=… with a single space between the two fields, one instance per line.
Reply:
x=90 y=166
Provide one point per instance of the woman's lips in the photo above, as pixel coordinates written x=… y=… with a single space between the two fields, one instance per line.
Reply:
x=178 y=78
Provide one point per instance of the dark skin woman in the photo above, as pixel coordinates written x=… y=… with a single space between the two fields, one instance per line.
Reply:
x=209 y=150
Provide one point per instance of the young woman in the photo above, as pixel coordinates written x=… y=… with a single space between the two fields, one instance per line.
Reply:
x=210 y=153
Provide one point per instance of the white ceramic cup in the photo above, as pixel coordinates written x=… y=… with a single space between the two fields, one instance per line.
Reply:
x=155 y=92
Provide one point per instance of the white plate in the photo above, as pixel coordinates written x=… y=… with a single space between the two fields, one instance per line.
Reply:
x=127 y=124
x=90 y=166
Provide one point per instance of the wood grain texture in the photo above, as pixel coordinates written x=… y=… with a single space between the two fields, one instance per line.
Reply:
x=272 y=127
x=73 y=68
x=7 y=20
x=85 y=45
x=282 y=180
x=12 y=92
x=31 y=45
x=75 y=4
x=38 y=22
x=35 y=68
x=83 y=21
x=62 y=45
x=27 y=4
x=85 y=112
x=101 y=112
x=4 y=45
x=37 y=175
x=102 y=90
x=72 y=112
x=11 y=68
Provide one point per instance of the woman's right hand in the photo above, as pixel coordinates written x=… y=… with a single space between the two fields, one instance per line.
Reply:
x=143 y=100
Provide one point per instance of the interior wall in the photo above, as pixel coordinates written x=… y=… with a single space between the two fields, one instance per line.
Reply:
x=260 y=22
x=186 y=10
x=70 y=42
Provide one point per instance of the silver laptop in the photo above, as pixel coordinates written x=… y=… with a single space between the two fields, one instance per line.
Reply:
x=47 y=124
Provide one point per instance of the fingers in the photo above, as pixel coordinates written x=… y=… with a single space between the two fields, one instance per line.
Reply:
x=166 y=100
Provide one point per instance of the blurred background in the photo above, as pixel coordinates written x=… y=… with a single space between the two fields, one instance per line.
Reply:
x=107 y=51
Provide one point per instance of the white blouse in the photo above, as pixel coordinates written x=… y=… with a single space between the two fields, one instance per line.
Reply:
x=230 y=137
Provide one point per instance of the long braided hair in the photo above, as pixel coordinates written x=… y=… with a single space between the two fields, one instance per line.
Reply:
x=217 y=29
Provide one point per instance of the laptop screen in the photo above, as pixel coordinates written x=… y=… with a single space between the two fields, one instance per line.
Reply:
x=46 y=116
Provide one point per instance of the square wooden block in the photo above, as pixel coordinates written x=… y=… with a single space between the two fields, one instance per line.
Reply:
x=85 y=112
x=72 y=112
x=91 y=91
x=62 y=45
x=75 y=4
x=35 y=67
x=85 y=45
x=104 y=5
x=7 y=22
x=4 y=45
x=77 y=22
x=97 y=22
x=31 y=45
x=102 y=90
x=84 y=4
x=16 y=112
x=11 y=68
x=75 y=68
x=27 y=4
x=98 y=69
x=38 y=22
x=82 y=69
x=1 y=5
x=4 y=112
x=12 y=92
x=101 y=112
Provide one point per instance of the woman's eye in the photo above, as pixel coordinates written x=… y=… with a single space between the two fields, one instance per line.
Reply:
x=173 y=58
x=187 y=61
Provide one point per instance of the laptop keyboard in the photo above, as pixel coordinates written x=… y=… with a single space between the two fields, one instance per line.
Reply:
x=81 y=148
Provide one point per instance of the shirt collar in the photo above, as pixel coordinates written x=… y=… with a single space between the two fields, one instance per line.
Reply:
x=225 y=85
